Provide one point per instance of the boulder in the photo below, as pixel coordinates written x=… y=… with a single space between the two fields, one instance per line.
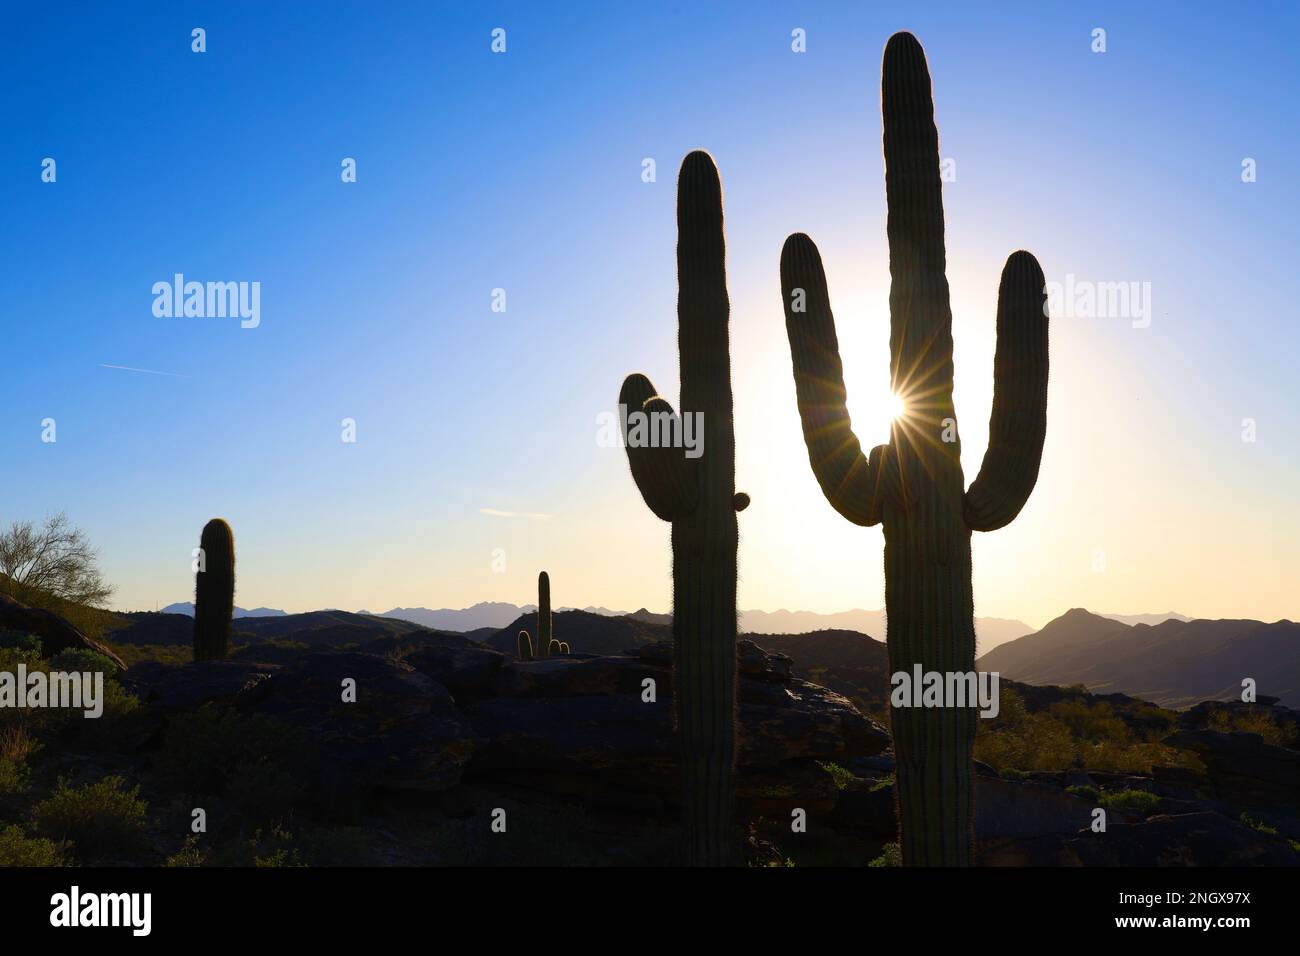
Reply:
x=584 y=722
x=56 y=634
x=403 y=732
x=168 y=688
x=1243 y=768
x=467 y=671
x=1186 y=839
x=1012 y=809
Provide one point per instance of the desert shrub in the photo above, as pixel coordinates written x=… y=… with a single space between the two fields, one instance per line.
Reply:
x=18 y=849
x=190 y=853
x=83 y=659
x=891 y=855
x=16 y=746
x=253 y=761
x=98 y=818
x=1257 y=720
x=1088 y=793
x=19 y=640
x=840 y=775
x=1139 y=801
x=1256 y=824
x=1071 y=733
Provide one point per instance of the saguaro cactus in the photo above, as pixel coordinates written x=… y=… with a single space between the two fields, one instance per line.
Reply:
x=544 y=640
x=914 y=485
x=214 y=592
x=525 y=649
x=698 y=495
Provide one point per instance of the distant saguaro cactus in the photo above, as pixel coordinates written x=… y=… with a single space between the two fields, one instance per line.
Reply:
x=914 y=484
x=553 y=648
x=564 y=647
x=525 y=647
x=544 y=640
x=214 y=592
x=697 y=494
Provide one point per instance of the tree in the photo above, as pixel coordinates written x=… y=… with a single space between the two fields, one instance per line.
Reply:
x=51 y=566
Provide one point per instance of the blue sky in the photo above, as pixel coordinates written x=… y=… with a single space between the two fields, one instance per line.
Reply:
x=522 y=171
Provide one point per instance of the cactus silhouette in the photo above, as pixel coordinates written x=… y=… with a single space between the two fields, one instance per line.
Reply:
x=544 y=640
x=525 y=647
x=914 y=485
x=698 y=496
x=553 y=648
x=564 y=647
x=214 y=592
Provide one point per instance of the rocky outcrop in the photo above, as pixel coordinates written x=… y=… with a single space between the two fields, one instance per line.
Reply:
x=603 y=727
x=1243 y=768
x=454 y=711
x=168 y=689
x=56 y=634
x=1187 y=839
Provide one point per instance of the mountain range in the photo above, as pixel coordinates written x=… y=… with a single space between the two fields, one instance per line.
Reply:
x=1175 y=663
x=990 y=631
x=187 y=608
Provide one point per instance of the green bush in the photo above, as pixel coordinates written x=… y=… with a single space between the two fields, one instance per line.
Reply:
x=98 y=818
x=1088 y=793
x=18 y=849
x=841 y=776
x=1257 y=824
x=1139 y=801
x=891 y=855
x=81 y=660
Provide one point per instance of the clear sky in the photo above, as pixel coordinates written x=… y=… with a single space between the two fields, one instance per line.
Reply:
x=522 y=171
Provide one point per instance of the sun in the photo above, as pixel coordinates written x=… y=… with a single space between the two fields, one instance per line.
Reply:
x=897 y=407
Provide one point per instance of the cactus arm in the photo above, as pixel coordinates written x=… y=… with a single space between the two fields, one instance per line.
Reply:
x=1018 y=424
x=665 y=477
x=851 y=482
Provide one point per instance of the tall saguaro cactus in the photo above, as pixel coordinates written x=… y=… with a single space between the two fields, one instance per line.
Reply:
x=914 y=485
x=544 y=615
x=698 y=496
x=214 y=592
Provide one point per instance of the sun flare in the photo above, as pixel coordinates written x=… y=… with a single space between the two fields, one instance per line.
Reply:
x=897 y=407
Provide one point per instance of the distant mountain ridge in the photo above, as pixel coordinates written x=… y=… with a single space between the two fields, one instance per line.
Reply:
x=990 y=631
x=187 y=608
x=1152 y=619
x=1175 y=663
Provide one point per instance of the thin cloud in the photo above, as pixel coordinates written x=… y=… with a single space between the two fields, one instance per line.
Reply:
x=498 y=513
x=147 y=371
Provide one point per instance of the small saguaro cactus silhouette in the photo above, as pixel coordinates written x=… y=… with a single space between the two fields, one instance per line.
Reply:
x=914 y=484
x=553 y=649
x=564 y=647
x=214 y=592
x=698 y=496
x=525 y=647
x=544 y=640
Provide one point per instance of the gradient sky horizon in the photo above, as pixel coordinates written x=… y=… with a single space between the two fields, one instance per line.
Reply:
x=476 y=430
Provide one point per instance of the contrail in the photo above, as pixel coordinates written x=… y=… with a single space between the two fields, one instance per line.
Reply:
x=147 y=371
x=497 y=513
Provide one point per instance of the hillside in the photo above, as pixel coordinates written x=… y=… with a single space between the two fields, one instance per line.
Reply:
x=336 y=628
x=1173 y=664
x=585 y=633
